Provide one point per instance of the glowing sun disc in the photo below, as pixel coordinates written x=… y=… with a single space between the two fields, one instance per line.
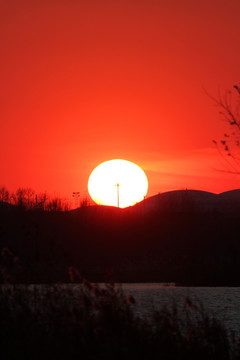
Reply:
x=117 y=183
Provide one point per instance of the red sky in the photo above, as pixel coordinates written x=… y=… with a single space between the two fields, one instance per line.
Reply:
x=83 y=82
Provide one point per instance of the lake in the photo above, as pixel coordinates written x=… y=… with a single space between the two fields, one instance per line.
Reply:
x=224 y=302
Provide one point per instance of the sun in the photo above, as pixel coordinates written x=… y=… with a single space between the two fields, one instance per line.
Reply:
x=118 y=183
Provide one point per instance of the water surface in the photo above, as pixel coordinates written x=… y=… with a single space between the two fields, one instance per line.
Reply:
x=223 y=302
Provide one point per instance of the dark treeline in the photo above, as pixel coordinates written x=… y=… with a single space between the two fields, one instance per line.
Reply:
x=125 y=245
x=28 y=199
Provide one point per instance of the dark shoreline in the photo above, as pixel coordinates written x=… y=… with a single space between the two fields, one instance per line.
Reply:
x=189 y=248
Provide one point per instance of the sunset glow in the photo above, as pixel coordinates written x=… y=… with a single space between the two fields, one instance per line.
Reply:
x=85 y=81
x=118 y=183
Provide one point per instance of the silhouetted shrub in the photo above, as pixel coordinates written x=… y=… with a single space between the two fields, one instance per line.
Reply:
x=92 y=322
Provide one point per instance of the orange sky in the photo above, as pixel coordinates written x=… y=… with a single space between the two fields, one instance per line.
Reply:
x=83 y=82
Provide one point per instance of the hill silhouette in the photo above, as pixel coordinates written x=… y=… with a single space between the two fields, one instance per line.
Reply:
x=194 y=200
x=188 y=237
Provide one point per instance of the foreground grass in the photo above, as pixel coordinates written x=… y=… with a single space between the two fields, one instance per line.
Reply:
x=99 y=323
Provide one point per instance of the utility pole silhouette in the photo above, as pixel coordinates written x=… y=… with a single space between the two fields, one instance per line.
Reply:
x=117 y=185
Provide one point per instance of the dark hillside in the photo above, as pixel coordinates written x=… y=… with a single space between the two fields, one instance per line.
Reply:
x=181 y=244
